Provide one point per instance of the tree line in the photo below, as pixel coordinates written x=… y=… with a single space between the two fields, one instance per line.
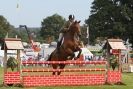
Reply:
x=48 y=32
x=111 y=19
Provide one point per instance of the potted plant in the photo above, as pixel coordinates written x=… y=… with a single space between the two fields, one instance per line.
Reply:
x=113 y=62
x=12 y=63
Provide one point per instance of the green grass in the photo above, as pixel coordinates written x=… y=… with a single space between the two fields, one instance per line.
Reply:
x=127 y=79
x=1 y=75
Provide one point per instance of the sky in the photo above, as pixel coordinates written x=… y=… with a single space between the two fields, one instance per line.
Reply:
x=32 y=12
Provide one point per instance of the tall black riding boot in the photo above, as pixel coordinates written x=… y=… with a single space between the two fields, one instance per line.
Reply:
x=58 y=46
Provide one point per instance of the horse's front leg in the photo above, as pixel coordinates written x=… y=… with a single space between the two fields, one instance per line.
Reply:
x=54 y=67
x=79 y=52
x=61 y=67
x=71 y=56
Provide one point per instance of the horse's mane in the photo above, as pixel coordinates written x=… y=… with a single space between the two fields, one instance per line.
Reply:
x=73 y=26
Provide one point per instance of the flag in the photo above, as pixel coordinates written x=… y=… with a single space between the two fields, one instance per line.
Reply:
x=17 y=6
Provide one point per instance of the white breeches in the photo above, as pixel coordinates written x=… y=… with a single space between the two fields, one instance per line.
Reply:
x=60 y=37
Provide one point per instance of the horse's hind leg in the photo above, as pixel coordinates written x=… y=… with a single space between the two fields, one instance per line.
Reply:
x=61 y=67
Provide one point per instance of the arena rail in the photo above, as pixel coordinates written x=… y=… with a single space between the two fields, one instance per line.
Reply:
x=62 y=70
x=64 y=62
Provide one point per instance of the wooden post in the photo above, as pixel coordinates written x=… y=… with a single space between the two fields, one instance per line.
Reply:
x=5 y=59
x=107 y=64
x=5 y=63
x=18 y=59
x=108 y=60
x=19 y=64
x=120 y=64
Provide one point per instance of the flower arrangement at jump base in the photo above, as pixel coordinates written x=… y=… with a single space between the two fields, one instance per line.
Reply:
x=12 y=63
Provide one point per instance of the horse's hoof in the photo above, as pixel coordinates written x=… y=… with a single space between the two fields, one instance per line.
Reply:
x=75 y=58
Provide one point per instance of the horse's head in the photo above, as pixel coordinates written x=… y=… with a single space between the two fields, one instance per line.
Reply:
x=75 y=28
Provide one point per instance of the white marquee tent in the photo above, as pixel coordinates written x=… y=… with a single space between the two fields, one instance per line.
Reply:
x=86 y=54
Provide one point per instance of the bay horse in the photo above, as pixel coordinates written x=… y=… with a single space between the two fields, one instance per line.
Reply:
x=69 y=46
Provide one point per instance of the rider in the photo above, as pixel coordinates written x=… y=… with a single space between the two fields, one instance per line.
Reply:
x=64 y=30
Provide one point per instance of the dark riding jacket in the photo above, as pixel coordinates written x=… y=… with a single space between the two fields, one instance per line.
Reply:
x=66 y=26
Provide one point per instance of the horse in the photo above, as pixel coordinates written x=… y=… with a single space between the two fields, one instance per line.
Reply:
x=69 y=46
